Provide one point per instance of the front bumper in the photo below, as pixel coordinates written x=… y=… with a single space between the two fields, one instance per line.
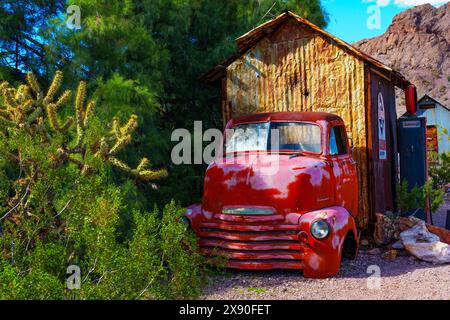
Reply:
x=273 y=242
x=253 y=246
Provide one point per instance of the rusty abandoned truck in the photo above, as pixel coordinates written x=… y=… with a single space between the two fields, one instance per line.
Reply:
x=299 y=215
x=319 y=92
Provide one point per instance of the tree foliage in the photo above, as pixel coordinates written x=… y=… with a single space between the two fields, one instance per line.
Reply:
x=59 y=207
x=22 y=23
x=75 y=183
x=161 y=47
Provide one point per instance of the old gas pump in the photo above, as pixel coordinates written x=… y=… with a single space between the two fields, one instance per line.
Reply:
x=412 y=148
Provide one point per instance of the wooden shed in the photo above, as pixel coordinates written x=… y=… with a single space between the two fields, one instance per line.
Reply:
x=438 y=124
x=290 y=64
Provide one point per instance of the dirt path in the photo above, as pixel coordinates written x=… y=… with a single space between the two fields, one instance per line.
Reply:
x=402 y=278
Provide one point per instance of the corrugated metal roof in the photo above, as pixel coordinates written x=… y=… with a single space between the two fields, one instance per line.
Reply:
x=423 y=101
x=251 y=38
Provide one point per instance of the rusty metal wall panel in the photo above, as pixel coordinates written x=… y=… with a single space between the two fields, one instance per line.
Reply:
x=297 y=69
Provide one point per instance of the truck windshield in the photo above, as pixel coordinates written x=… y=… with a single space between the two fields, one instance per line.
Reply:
x=274 y=136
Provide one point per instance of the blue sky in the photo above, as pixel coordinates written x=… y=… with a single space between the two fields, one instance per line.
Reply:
x=349 y=18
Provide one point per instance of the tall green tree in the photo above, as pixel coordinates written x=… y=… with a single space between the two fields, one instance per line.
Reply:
x=60 y=200
x=199 y=34
x=21 y=45
x=145 y=57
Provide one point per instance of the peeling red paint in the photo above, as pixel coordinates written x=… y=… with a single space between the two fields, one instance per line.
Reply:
x=305 y=189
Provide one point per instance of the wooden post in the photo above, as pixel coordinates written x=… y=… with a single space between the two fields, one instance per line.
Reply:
x=447 y=224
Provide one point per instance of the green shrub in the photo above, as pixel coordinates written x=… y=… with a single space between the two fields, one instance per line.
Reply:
x=418 y=197
x=59 y=206
x=439 y=169
x=180 y=254
x=160 y=261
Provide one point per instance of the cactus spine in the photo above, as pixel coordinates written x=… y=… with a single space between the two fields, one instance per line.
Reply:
x=19 y=109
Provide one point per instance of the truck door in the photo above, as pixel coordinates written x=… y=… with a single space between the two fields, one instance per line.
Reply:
x=344 y=170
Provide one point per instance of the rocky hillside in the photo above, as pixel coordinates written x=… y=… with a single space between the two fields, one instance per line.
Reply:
x=417 y=44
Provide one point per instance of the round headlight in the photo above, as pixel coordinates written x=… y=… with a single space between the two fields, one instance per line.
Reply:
x=187 y=224
x=320 y=229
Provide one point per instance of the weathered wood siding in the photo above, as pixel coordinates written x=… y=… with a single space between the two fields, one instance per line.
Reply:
x=297 y=69
x=383 y=173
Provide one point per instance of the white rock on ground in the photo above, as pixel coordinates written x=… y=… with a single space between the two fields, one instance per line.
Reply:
x=425 y=245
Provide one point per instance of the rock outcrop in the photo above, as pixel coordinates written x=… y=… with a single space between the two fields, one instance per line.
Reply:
x=417 y=44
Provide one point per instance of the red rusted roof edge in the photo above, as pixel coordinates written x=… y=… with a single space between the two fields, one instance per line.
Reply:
x=287 y=116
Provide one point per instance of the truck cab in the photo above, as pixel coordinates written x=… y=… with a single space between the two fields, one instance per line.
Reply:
x=281 y=194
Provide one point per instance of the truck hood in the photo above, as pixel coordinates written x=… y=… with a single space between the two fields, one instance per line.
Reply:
x=287 y=185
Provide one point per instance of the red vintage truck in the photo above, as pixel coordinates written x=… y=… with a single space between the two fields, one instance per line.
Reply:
x=283 y=194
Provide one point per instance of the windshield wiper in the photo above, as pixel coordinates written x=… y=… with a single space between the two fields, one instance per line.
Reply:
x=297 y=154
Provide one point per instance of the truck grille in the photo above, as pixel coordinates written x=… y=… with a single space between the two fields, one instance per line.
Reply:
x=252 y=246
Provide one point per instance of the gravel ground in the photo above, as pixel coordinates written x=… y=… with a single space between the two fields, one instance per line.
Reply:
x=404 y=277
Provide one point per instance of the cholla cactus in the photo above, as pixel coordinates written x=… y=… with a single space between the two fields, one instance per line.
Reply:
x=141 y=171
x=32 y=81
x=20 y=109
x=79 y=111
x=54 y=87
x=119 y=137
x=27 y=107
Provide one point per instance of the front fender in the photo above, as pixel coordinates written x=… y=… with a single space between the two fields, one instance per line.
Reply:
x=322 y=258
x=194 y=214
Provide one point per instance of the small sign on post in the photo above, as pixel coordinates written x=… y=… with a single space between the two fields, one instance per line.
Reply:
x=381 y=128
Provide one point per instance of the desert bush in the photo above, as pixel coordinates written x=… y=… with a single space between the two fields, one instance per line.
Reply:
x=59 y=206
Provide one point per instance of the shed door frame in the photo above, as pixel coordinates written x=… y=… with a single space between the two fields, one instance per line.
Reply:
x=383 y=173
x=432 y=131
